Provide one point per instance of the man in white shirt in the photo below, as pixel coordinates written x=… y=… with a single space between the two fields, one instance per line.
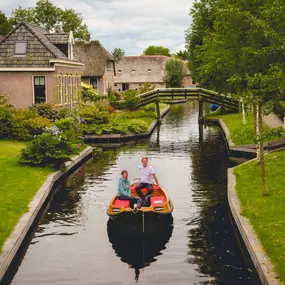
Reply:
x=147 y=173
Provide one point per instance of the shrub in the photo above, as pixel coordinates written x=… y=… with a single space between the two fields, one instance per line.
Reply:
x=5 y=117
x=89 y=93
x=112 y=97
x=149 y=107
x=94 y=113
x=146 y=87
x=131 y=99
x=27 y=123
x=48 y=149
x=47 y=111
x=137 y=126
x=70 y=128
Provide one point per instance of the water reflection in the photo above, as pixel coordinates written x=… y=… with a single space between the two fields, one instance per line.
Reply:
x=136 y=247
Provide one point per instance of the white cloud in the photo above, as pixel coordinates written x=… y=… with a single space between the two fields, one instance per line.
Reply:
x=129 y=24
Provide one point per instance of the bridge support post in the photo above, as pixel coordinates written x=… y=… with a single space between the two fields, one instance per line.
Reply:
x=201 y=111
x=158 y=112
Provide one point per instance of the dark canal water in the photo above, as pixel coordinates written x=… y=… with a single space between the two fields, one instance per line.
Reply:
x=72 y=244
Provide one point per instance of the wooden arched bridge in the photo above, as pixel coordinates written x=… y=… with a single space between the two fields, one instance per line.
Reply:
x=201 y=94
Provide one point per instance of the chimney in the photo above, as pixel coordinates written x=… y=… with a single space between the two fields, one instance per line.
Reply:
x=87 y=37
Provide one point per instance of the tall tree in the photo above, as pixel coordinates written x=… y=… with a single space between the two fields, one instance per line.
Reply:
x=73 y=21
x=5 y=24
x=157 y=50
x=243 y=54
x=51 y=17
x=118 y=54
x=183 y=55
x=174 y=73
x=22 y=15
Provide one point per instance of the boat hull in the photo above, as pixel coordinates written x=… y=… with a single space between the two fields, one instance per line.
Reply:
x=164 y=208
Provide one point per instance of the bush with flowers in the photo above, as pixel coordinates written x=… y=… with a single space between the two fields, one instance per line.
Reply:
x=51 y=148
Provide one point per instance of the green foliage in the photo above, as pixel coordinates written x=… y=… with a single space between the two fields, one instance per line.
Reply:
x=46 y=110
x=182 y=55
x=51 y=17
x=93 y=113
x=70 y=129
x=174 y=73
x=5 y=117
x=47 y=149
x=27 y=123
x=137 y=126
x=5 y=24
x=131 y=100
x=149 y=108
x=112 y=97
x=280 y=109
x=157 y=50
x=145 y=88
x=118 y=54
x=89 y=93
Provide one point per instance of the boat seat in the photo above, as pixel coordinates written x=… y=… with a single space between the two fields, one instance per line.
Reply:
x=157 y=201
x=143 y=190
x=121 y=203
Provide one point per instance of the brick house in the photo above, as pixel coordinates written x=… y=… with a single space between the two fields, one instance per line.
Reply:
x=134 y=71
x=37 y=66
x=99 y=64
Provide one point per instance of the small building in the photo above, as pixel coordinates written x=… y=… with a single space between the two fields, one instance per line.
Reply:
x=133 y=71
x=37 y=66
x=99 y=65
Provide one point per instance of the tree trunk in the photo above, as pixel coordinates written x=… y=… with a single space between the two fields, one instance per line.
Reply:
x=254 y=118
x=243 y=112
x=257 y=125
x=261 y=151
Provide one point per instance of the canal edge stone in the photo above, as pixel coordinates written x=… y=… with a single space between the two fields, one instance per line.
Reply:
x=260 y=259
x=16 y=238
x=130 y=136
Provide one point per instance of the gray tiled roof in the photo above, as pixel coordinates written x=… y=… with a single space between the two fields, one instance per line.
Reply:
x=41 y=34
x=61 y=38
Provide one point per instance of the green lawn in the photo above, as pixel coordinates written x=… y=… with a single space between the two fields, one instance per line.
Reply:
x=240 y=133
x=266 y=214
x=18 y=186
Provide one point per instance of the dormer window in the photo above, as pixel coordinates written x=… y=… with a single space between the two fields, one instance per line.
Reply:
x=20 y=48
x=133 y=72
x=119 y=72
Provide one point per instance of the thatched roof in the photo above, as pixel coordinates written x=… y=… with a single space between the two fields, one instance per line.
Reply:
x=94 y=56
x=140 y=69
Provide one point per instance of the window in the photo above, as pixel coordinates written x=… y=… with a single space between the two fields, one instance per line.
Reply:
x=20 y=48
x=133 y=72
x=39 y=89
x=109 y=65
x=119 y=72
x=149 y=71
x=59 y=100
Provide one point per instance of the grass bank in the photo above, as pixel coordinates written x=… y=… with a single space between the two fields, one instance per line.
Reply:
x=240 y=133
x=18 y=186
x=266 y=214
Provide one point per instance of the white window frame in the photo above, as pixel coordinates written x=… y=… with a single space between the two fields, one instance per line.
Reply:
x=33 y=86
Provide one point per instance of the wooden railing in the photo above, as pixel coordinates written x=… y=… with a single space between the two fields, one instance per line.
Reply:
x=199 y=93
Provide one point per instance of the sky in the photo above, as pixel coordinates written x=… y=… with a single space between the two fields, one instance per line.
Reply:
x=131 y=25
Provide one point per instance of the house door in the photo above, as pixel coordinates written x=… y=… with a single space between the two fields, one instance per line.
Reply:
x=40 y=89
x=125 y=86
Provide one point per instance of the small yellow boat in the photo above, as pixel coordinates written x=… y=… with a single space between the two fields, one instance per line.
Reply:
x=159 y=204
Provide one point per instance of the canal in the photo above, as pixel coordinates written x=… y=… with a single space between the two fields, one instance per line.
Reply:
x=73 y=244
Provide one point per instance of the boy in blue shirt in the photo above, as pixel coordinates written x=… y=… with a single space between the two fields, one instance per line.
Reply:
x=124 y=190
